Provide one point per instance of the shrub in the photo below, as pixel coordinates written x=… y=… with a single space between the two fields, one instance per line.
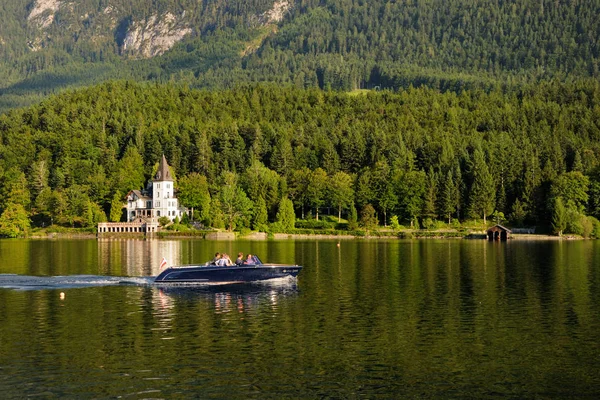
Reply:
x=394 y=223
x=428 y=223
x=368 y=219
x=164 y=221
x=406 y=235
x=595 y=234
x=185 y=219
x=314 y=224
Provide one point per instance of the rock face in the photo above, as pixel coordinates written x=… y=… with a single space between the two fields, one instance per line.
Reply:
x=276 y=13
x=42 y=13
x=155 y=36
x=116 y=25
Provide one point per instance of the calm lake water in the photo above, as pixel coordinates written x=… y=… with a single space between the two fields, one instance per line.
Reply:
x=367 y=319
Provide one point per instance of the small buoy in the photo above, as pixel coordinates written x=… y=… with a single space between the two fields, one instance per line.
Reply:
x=338 y=245
x=62 y=295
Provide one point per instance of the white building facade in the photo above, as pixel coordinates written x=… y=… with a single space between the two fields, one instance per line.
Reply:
x=158 y=200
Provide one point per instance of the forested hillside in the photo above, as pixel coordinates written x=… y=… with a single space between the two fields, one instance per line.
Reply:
x=339 y=44
x=418 y=154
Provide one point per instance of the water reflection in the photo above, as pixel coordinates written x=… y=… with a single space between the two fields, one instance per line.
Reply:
x=136 y=257
x=390 y=319
x=140 y=257
x=241 y=298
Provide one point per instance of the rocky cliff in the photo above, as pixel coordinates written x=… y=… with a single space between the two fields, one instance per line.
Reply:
x=131 y=28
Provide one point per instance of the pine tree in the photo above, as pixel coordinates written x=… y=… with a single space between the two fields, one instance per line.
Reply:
x=352 y=217
x=483 y=194
x=559 y=216
x=260 y=220
x=430 y=196
x=286 y=215
x=116 y=208
x=448 y=204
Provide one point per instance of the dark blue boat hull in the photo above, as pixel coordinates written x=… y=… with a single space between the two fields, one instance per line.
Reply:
x=218 y=274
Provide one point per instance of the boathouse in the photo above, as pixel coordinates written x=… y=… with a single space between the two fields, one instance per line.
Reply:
x=498 y=232
x=140 y=225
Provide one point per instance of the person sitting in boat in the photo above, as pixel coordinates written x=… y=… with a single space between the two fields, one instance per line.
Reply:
x=216 y=259
x=226 y=261
x=249 y=260
x=240 y=259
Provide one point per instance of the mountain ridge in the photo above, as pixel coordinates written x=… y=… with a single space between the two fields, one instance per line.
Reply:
x=331 y=44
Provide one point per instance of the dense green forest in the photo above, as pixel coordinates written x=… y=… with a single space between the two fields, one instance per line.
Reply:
x=337 y=44
x=413 y=157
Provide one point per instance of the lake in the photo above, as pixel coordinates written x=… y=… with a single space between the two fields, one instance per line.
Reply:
x=364 y=319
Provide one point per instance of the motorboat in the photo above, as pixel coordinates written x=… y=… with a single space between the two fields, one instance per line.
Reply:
x=211 y=273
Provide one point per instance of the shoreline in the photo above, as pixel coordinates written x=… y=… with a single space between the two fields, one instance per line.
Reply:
x=262 y=236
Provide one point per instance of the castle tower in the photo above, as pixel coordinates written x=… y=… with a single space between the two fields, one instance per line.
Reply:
x=164 y=202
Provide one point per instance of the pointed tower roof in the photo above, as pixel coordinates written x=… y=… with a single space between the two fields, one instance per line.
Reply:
x=163 y=173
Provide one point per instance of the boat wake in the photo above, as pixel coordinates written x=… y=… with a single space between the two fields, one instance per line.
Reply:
x=26 y=282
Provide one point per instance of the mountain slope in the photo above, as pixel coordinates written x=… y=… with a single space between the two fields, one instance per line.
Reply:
x=339 y=44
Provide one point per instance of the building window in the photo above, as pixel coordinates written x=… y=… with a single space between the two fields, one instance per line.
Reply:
x=168 y=186
x=157 y=204
x=148 y=204
x=157 y=213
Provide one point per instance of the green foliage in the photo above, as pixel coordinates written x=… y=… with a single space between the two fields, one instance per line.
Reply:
x=116 y=208
x=260 y=181
x=130 y=171
x=575 y=222
x=14 y=221
x=483 y=191
x=340 y=191
x=217 y=218
x=286 y=216
x=317 y=189
x=383 y=190
x=185 y=219
x=411 y=188
x=559 y=216
x=164 y=221
x=299 y=181
x=260 y=217
x=235 y=205
x=394 y=224
x=595 y=233
x=498 y=217
x=65 y=158
x=518 y=214
x=449 y=45
x=352 y=218
x=314 y=224
x=368 y=219
x=193 y=193
x=449 y=199
x=573 y=188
